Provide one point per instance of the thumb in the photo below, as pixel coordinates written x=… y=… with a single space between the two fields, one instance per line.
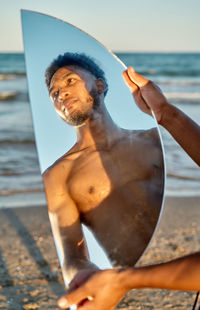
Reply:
x=136 y=78
x=72 y=298
x=133 y=87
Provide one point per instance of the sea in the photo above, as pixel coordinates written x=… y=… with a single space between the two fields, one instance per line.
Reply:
x=177 y=74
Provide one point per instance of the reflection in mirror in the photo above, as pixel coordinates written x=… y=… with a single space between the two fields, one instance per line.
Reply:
x=103 y=165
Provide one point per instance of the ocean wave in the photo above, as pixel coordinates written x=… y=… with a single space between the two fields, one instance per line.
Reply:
x=183 y=177
x=193 y=73
x=178 y=82
x=9 y=173
x=183 y=95
x=11 y=76
x=20 y=141
x=14 y=95
x=172 y=73
x=182 y=192
x=8 y=95
x=20 y=191
x=164 y=64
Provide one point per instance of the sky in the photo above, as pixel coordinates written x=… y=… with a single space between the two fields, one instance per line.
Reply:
x=128 y=25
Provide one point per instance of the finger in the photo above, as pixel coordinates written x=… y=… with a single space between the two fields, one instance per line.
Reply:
x=74 y=297
x=136 y=78
x=63 y=303
x=141 y=103
x=87 y=306
x=136 y=93
x=133 y=87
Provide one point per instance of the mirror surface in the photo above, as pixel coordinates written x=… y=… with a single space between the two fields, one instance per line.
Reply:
x=107 y=173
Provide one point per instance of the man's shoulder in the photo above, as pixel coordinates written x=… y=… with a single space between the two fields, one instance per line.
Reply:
x=149 y=135
x=61 y=165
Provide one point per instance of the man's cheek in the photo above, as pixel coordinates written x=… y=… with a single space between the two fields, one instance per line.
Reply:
x=60 y=113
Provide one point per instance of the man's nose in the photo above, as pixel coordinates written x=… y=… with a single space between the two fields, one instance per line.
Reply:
x=63 y=94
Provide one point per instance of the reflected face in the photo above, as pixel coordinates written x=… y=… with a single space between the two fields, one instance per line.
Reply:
x=74 y=94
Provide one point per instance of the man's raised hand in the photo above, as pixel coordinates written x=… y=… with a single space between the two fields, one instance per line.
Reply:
x=147 y=95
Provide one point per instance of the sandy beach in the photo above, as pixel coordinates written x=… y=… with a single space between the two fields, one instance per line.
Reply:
x=30 y=277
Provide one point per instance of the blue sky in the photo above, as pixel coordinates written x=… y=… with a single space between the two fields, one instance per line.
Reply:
x=128 y=25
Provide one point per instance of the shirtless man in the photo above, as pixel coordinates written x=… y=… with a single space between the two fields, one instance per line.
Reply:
x=105 y=289
x=111 y=180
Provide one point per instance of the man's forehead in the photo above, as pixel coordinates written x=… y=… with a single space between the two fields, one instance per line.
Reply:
x=62 y=73
x=70 y=69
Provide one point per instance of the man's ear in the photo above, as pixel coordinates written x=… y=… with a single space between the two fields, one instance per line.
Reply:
x=101 y=87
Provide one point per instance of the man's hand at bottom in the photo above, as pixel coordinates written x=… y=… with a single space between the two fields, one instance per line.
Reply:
x=80 y=278
x=103 y=291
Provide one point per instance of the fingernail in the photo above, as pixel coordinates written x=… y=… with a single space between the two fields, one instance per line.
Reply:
x=62 y=302
x=131 y=69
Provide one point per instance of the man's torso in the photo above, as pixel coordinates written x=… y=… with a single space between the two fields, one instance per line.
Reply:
x=118 y=192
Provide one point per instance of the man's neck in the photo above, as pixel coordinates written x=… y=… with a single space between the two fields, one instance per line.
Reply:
x=98 y=131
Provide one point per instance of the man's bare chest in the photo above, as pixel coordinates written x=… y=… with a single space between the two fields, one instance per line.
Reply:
x=97 y=176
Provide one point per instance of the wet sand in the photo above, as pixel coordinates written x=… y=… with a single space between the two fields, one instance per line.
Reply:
x=30 y=277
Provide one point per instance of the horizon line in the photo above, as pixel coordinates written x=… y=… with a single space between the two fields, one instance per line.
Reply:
x=123 y=51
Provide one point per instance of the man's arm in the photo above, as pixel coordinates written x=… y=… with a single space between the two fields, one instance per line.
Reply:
x=106 y=288
x=66 y=226
x=179 y=274
x=149 y=97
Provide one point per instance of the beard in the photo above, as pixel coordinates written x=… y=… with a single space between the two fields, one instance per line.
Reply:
x=78 y=117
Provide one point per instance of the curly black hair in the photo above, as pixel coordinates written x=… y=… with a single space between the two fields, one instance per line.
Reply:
x=81 y=60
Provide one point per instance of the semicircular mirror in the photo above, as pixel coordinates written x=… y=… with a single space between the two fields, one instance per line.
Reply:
x=100 y=156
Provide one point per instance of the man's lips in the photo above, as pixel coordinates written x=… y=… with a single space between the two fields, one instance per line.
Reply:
x=69 y=103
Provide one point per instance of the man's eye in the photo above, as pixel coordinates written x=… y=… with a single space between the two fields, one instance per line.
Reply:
x=55 y=95
x=71 y=80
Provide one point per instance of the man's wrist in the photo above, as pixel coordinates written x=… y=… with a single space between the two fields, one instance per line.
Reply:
x=169 y=114
x=131 y=278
